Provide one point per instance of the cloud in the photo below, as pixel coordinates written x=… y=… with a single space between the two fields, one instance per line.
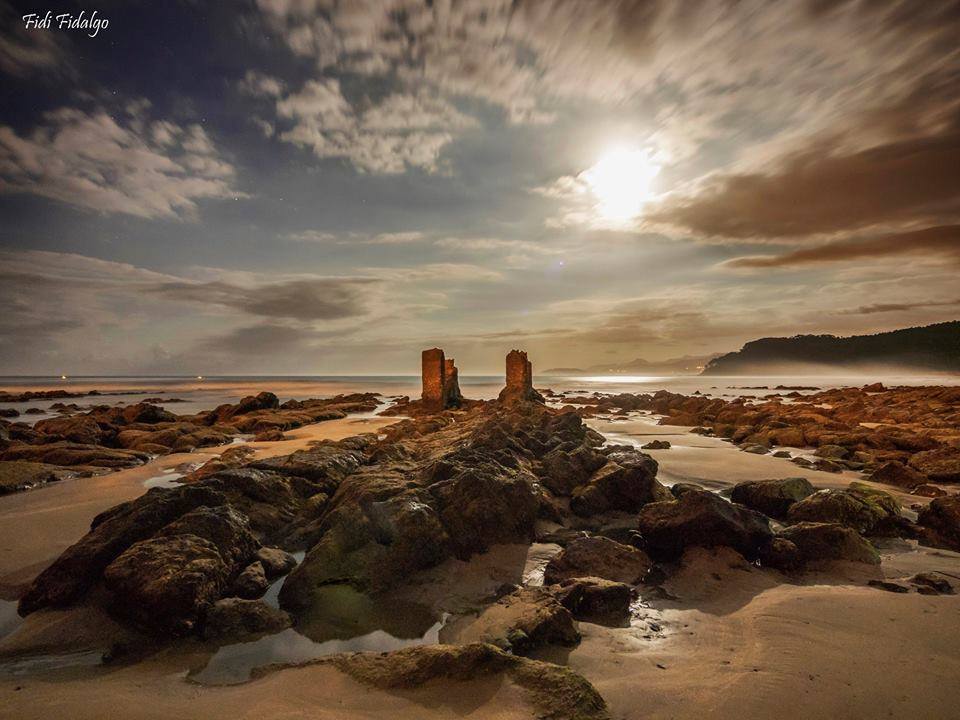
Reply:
x=823 y=190
x=943 y=240
x=27 y=52
x=123 y=163
x=328 y=298
x=258 y=84
x=401 y=131
x=898 y=307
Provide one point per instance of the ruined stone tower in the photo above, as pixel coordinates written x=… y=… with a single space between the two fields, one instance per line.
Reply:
x=441 y=388
x=519 y=375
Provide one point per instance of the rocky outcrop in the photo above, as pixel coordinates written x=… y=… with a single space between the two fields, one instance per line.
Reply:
x=19 y=475
x=772 y=497
x=939 y=465
x=896 y=473
x=701 y=519
x=597 y=557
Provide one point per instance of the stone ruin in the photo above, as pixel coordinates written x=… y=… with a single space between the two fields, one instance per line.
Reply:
x=519 y=375
x=441 y=388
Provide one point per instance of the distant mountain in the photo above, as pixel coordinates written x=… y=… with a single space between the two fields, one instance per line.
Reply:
x=933 y=348
x=687 y=365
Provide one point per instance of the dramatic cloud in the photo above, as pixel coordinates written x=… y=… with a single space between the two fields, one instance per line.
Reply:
x=824 y=191
x=120 y=163
x=312 y=299
x=937 y=240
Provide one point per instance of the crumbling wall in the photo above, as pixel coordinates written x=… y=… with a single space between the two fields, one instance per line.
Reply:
x=519 y=378
x=433 y=369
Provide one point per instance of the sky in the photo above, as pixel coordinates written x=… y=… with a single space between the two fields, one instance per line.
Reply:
x=320 y=187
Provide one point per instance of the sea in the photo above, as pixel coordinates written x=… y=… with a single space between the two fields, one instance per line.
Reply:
x=187 y=395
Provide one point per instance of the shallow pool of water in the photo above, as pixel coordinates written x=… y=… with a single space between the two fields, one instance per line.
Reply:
x=9 y=619
x=167 y=479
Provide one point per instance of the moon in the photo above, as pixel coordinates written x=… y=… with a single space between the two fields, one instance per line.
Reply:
x=621 y=182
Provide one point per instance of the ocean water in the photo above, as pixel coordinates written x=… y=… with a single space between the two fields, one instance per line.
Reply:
x=196 y=394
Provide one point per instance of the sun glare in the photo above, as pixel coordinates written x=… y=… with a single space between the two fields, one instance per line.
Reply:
x=621 y=181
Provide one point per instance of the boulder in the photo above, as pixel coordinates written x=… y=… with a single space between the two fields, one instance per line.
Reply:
x=252 y=582
x=940 y=523
x=700 y=518
x=862 y=511
x=932 y=584
x=898 y=474
x=562 y=471
x=112 y=532
x=597 y=557
x=276 y=562
x=627 y=482
x=166 y=584
x=928 y=490
x=81 y=429
x=656 y=445
x=223 y=526
x=772 y=497
x=830 y=541
x=832 y=452
x=678 y=489
x=595 y=599
x=235 y=620
x=781 y=554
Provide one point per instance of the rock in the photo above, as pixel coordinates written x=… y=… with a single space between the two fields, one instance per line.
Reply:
x=19 y=475
x=940 y=523
x=597 y=557
x=781 y=554
x=832 y=452
x=554 y=691
x=235 y=620
x=858 y=510
x=627 y=482
x=276 y=562
x=772 y=497
x=939 y=465
x=270 y=435
x=70 y=454
x=167 y=583
x=755 y=449
x=928 y=490
x=563 y=471
x=522 y=621
x=782 y=454
x=146 y=413
x=898 y=474
x=830 y=466
x=888 y=586
x=656 y=445
x=830 y=541
x=81 y=429
x=700 y=518
x=112 y=532
x=933 y=582
x=596 y=599
x=223 y=526
x=678 y=489
x=252 y=582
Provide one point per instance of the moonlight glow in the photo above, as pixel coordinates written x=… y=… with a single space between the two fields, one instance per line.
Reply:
x=621 y=181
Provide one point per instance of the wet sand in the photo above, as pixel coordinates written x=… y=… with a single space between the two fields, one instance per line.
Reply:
x=37 y=525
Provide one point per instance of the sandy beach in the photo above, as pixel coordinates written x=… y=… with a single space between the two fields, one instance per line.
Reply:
x=732 y=641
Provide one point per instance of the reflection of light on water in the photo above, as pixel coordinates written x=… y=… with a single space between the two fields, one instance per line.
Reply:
x=623 y=378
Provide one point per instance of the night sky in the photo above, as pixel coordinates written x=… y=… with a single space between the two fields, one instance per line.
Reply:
x=314 y=187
